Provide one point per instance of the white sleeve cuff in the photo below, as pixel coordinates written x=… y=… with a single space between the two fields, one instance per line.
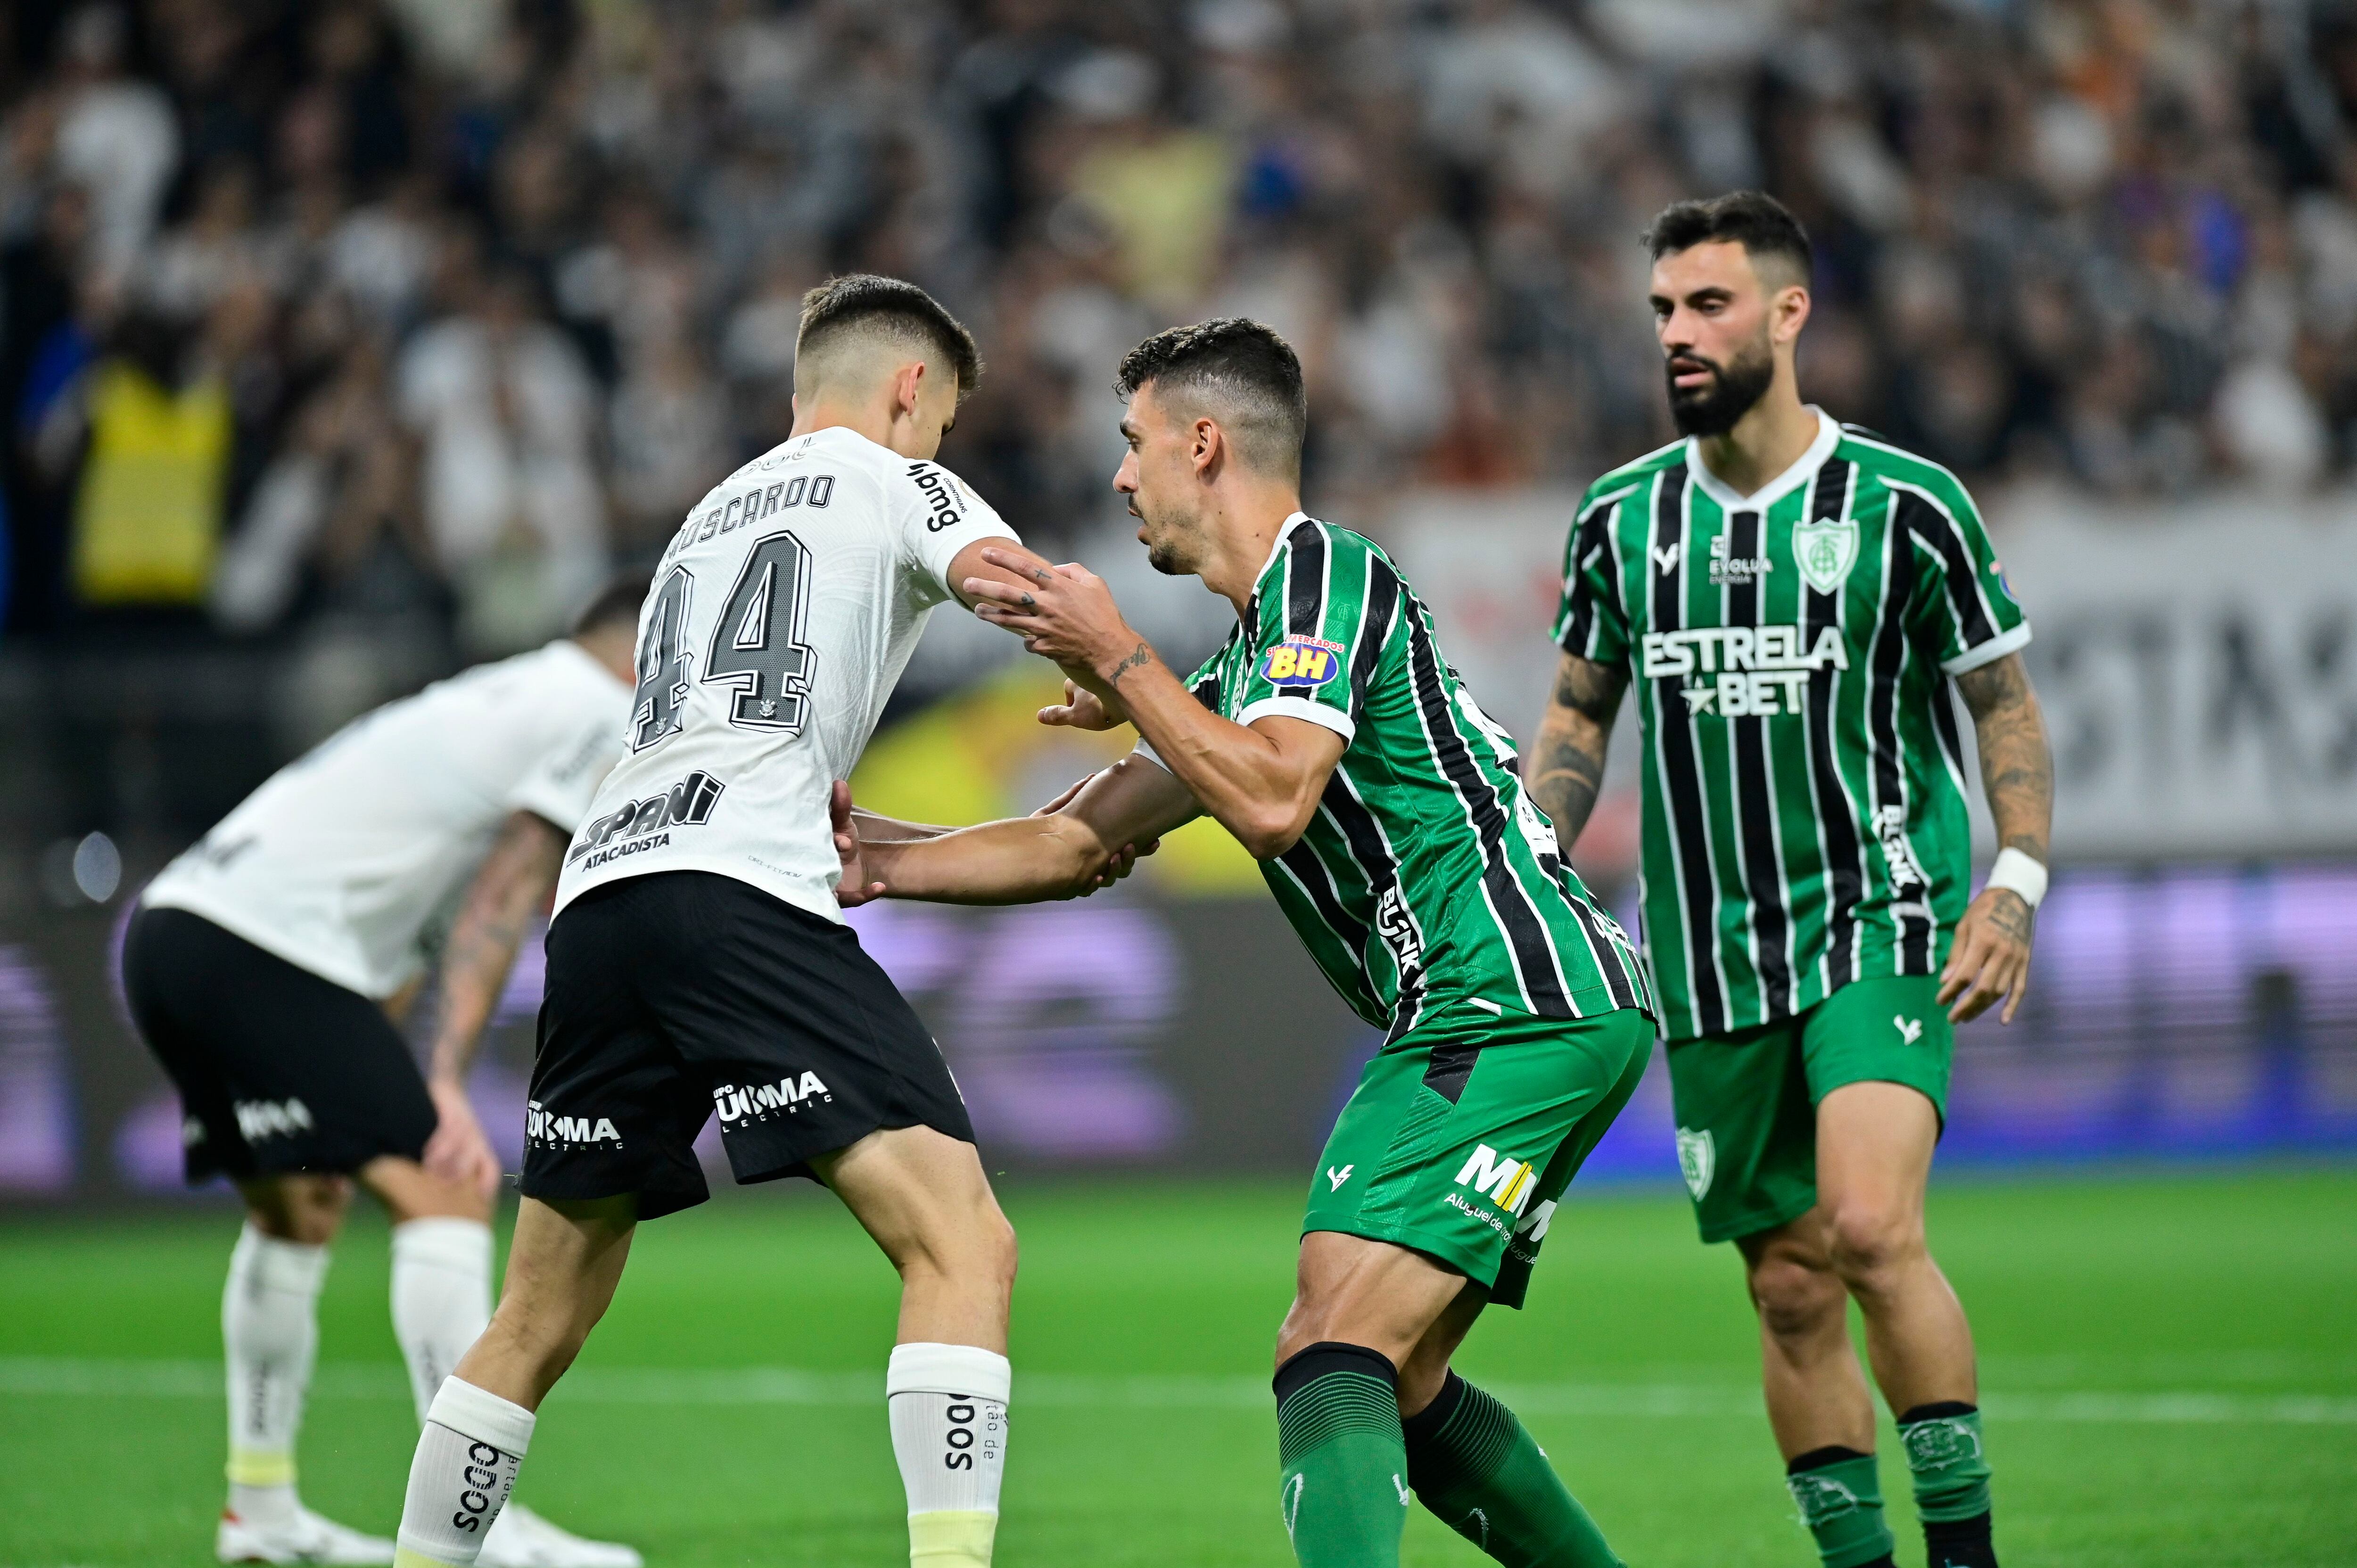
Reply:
x=1301 y=708
x=940 y=551
x=1988 y=653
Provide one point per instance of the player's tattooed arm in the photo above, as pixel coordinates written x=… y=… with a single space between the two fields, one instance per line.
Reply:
x=511 y=887
x=1567 y=768
x=2017 y=765
x=1989 y=959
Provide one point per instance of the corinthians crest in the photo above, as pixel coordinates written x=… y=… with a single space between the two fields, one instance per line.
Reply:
x=1826 y=551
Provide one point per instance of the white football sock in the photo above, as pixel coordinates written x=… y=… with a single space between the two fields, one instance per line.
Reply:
x=270 y=1335
x=441 y=1297
x=948 y=1408
x=466 y=1466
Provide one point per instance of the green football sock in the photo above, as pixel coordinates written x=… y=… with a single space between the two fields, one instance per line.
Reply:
x=1840 y=1498
x=1484 y=1477
x=1950 y=1465
x=1345 y=1491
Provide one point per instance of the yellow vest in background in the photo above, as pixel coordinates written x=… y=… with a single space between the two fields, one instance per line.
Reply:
x=147 y=521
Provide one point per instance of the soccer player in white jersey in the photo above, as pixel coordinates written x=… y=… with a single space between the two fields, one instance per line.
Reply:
x=265 y=968
x=698 y=963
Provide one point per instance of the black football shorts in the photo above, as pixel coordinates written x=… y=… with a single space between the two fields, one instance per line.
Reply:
x=278 y=1069
x=683 y=994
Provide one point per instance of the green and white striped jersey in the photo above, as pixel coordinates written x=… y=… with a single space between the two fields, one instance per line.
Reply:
x=1804 y=820
x=1426 y=878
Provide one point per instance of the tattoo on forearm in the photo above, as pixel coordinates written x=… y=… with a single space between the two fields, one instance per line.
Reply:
x=1590 y=690
x=1568 y=770
x=2017 y=767
x=1565 y=784
x=1138 y=658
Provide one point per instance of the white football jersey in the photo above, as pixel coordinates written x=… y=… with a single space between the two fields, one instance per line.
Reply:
x=779 y=618
x=347 y=860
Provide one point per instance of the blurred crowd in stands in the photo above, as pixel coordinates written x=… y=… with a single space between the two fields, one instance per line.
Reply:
x=433 y=310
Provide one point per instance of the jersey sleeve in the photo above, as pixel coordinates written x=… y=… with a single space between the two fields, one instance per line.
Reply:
x=1592 y=621
x=1969 y=617
x=936 y=514
x=560 y=786
x=1325 y=609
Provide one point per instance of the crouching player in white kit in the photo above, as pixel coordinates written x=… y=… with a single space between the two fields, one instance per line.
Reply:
x=698 y=960
x=262 y=967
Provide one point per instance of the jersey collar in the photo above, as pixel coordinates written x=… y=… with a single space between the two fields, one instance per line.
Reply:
x=1768 y=495
x=1277 y=545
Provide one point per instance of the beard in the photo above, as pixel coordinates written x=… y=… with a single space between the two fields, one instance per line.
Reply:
x=1728 y=397
x=1171 y=544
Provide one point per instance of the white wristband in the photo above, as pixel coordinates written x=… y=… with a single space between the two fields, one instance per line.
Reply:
x=2019 y=872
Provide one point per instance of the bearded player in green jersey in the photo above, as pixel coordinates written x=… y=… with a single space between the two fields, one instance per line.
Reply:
x=1791 y=599
x=1331 y=737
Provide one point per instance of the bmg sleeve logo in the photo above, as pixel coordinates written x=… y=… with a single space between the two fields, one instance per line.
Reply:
x=1301 y=661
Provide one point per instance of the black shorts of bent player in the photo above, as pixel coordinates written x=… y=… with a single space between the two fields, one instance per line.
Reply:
x=683 y=994
x=278 y=1069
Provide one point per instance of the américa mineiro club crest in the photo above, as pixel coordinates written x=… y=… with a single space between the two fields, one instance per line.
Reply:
x=1826 y=551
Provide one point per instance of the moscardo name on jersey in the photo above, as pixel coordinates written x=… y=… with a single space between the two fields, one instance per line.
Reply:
x=1301 y=661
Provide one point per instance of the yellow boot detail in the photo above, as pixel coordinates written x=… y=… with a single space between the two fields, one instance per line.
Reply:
x=402 y=1557
x=261 y=1467
x=951 y=1538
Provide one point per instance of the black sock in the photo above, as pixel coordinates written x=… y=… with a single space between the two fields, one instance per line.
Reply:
x=1959 y=1542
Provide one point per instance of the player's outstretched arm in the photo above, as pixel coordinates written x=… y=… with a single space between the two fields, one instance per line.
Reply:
x=1990 y=958
x=1568 y=765
x=1263 y=782
x=1060 y=854
x=510 y=886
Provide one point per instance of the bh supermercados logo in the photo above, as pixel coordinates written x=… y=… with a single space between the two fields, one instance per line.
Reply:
x=1301 y=661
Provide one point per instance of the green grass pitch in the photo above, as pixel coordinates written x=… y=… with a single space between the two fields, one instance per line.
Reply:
x=2169 y=1364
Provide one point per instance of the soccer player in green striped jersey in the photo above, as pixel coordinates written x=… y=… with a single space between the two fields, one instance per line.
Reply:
x=1331 y=737
x=1791 y=600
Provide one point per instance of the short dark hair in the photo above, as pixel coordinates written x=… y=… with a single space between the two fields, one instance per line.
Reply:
x=1752 y=219
x=1244 y=367
x=616 y=603
x=865 y=302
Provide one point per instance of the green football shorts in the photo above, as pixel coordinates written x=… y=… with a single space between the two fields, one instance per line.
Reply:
x=1464 y=1132
x=1747 y=1103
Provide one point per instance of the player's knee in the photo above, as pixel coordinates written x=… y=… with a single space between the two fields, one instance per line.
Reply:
x=1869 y=1241
x=302 y=1207
x=998 y=1252
x=1795 y=1300
x=972 y=1246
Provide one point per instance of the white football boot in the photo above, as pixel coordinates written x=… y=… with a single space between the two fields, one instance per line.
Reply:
x=304 y=1537
x=522 y=1538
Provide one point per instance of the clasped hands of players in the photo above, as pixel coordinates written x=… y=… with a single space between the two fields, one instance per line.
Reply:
x=1068 y=615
